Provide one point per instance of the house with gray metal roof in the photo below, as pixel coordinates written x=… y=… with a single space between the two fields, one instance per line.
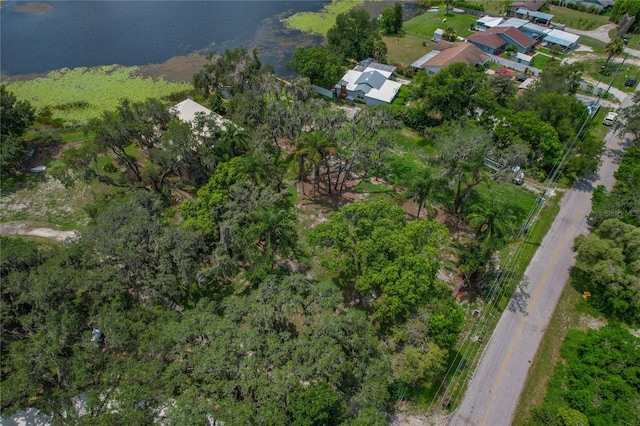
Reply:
x=563 y=39
x=604 y=5
x=534 y=16
x=371 y=85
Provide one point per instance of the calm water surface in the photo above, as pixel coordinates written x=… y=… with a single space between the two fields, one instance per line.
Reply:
x=87 y=33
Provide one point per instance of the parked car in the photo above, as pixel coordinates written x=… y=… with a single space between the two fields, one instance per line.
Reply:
x=631 y=81
x=610 y=119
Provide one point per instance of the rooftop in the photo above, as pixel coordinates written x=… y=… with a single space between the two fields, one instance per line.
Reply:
x=449 y=53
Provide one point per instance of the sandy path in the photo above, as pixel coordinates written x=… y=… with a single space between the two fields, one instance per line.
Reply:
x=27 y=228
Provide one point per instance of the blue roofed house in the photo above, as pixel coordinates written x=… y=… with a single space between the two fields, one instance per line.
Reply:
x=371 y=84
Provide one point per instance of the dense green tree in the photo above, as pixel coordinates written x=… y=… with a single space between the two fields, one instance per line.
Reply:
x=629 y=121
x=391 y=19
x=452 y=93
x=464 y=149
x=156 y=262
x=542 y=138
x=556 y=78
x=608 y=266
x=450 y=34
x=319 y=64
x=503 y=88
x=234 y=69
x=493 y=221
x=317 y=404
x=355 y=35
x=630 y=8
x=623 y=202
x=597 y=382
x=380 y=260
x=12 y=153
x=15 y=116
x=422 y=190
x=205 y=210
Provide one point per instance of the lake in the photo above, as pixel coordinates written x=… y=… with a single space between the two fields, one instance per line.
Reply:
x=37 y=37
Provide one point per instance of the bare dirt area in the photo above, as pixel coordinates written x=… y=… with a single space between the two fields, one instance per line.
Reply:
x=178 y=68
x=31 y=229
x=43 y=202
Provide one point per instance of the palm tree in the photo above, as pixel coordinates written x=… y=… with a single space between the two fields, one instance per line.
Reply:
x=421 y=190
x=614 y=48
x=232 y=142
x=493 y=221
x=275 y=229
x=314 y=147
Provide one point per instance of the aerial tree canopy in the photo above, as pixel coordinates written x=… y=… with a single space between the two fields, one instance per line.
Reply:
x=355 y=35
x=381 y=261
x=15 y=117
x=322 y=66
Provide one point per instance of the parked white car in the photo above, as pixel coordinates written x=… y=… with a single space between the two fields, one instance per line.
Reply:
x=610 y=119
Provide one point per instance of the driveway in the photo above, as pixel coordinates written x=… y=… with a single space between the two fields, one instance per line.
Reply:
x=600 y=33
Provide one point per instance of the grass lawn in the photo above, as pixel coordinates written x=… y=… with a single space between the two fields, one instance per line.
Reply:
x=406 y=49
x=596 y=45
x=592 y=68
x=541 y=61
x=425 y=24
x=576 y=19
x=492 y=7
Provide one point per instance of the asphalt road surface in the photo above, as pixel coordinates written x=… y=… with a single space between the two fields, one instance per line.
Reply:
x=494 y=390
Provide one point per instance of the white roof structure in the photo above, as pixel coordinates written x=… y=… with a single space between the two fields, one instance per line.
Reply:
x=514 y=22
x=188 y=109
x=350 y=79
x=373 y=83
x=386 y=74
x=386 y=93
x=490 y=21
x=562 y=38
x=523 y=57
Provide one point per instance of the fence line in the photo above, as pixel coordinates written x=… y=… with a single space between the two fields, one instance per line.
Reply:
x=513 y=64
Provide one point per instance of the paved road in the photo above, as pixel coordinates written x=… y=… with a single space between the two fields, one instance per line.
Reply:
x=494 y=390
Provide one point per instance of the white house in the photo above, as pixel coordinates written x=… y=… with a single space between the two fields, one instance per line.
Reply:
x=487 y=22
x=187 y=111
x=371 y=85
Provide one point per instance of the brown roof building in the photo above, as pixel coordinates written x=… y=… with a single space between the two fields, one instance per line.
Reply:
x=446 y=53
x=497 y=39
